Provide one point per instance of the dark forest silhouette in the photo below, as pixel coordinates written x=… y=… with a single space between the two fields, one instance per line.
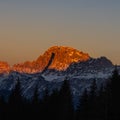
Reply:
x=94 y=104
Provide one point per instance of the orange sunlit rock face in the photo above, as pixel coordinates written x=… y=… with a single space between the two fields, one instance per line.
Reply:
x=64 y=56
x=4 y=67
x=27 y=67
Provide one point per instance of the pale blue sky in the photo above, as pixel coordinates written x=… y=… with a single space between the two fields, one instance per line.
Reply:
x=29 y=27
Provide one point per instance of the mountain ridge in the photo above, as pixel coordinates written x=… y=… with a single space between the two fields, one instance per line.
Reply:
x=80 y=74
x=64 y=56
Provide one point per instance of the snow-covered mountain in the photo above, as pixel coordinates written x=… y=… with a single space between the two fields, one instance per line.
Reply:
x=64 y=56
x=80 y=71
x=79 y=74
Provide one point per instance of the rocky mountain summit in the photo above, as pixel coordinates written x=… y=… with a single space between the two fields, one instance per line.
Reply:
x=64 y=56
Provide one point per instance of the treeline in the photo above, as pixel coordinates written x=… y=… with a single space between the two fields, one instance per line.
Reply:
x=57 y=106
x=103 y=103
x=94 y=104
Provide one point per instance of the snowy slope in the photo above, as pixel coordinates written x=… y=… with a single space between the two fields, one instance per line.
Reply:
x=79 y=74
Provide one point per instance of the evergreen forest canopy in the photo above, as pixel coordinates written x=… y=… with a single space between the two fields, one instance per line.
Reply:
x=94 y=104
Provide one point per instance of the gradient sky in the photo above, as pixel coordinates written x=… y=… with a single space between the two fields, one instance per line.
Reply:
x=29 y=27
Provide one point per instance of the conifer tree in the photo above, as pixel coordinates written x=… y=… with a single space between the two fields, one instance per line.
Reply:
x=92 y=100
x=112 y=97
x=2 y=108
x=15 y=97
x=66 y=105
x=35 y=100
x=115 y=96
x=35 y=104
x=15 y=102
x=82 y=108
x=54 y=104
x=101 y=103
x=46 y=105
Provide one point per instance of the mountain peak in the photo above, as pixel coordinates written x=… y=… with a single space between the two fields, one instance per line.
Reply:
x=64 y=56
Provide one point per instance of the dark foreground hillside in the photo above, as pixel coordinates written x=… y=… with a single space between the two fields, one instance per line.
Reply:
x=94 y=104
